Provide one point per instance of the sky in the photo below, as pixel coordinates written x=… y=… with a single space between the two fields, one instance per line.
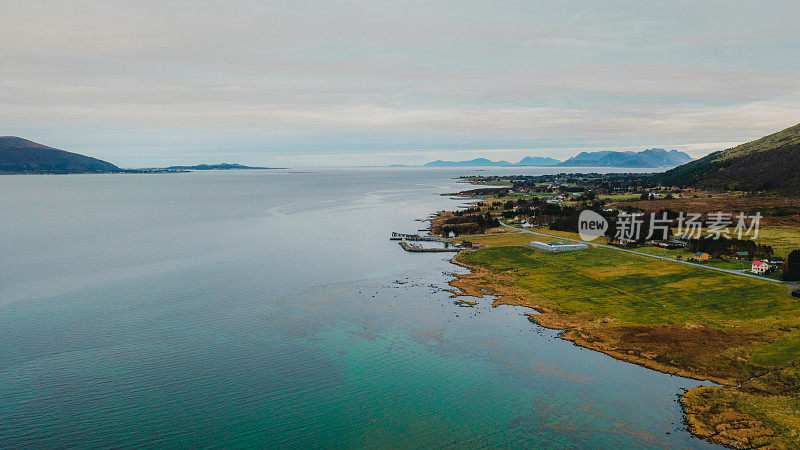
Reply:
x=346 y=83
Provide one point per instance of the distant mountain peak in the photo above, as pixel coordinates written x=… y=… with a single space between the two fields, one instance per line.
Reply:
x=650 y=158
x=472 y=162
x=538 y=161
x=478 y=162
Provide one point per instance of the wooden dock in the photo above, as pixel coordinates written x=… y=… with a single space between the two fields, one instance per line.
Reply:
x=413 y=248
x=414 y=237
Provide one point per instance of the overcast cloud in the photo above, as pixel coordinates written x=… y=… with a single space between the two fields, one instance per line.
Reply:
x=145 y=83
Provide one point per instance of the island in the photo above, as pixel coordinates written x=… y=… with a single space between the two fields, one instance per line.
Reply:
x=221 y=166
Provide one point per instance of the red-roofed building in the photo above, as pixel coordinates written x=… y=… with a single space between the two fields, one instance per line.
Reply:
x=759 y=267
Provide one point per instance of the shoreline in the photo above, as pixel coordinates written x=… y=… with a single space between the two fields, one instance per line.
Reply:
x=708 y=413
x=570 y=331
x=467 y=285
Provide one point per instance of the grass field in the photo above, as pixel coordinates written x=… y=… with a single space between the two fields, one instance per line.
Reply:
x=779 y=353
x=635 y=289
x=619 y=197
x=783 y=239
x=787 y=237
x=520 y=238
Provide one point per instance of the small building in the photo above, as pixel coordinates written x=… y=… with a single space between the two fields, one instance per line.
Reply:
x=557 y=247
x=759 y=267
x=671 y=243
x=701 y=256
x=469 y=244
x=741 y=256
x=773 y=261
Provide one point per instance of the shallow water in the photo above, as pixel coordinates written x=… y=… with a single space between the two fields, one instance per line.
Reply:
x=259 y=308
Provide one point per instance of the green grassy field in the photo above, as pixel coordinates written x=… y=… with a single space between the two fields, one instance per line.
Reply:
x=619 y=197
x=683 y=254
x=783 y=240
x=636 y=289
x=779 y=353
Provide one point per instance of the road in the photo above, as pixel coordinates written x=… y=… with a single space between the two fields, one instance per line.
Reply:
x=732 y=272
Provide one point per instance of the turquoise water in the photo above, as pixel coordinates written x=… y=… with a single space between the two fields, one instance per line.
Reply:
x=269 y=309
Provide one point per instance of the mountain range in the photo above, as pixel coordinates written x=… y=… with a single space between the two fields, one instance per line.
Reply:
x=769 y=163
x=527 y=161
x=650 y=158
x=653 y=157
x=19 y=155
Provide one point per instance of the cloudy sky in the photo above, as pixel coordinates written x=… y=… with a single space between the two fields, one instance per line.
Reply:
x=318 y=83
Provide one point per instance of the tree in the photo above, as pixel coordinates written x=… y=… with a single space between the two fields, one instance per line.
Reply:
x=791 y=270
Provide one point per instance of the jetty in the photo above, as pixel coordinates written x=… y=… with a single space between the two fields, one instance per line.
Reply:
x=417 y=248
x=414 y=237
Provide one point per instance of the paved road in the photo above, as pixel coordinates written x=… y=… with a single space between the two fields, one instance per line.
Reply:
x=732 y=272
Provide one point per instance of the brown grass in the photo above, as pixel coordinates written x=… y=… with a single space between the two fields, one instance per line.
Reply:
x=726 y=202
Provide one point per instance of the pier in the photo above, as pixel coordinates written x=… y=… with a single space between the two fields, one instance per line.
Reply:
x=416 y=248
x=414 y=237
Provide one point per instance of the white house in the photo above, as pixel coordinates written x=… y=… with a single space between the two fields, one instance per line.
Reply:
x=759 y=267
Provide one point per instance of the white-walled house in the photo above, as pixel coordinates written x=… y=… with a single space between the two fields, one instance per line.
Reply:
x=759 y=267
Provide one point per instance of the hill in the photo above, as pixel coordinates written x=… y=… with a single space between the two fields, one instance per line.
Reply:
x=769 y=163
x=19 y=155
x=538 y=161
x=472 y=162
x=654 y=157
x=222 y=166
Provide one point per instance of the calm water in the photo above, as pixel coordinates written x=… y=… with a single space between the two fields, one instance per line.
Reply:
x=269 y=309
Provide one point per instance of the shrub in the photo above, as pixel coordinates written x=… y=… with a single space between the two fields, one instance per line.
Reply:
x=791 y=269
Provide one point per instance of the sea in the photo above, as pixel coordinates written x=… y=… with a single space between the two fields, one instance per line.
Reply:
x=268 y=308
